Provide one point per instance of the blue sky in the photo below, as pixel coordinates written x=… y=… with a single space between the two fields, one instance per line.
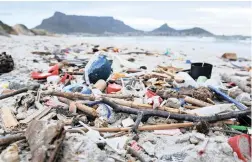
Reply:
x=218 y=17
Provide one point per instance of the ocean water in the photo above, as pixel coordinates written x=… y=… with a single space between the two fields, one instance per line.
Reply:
x=194 y=47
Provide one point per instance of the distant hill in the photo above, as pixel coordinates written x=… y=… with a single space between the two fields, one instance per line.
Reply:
x=22 y=30
x=62 y=23
x=166 y=30
x=195 y=31
x=6 y=29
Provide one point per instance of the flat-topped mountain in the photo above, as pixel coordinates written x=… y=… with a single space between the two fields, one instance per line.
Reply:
x=62 y=23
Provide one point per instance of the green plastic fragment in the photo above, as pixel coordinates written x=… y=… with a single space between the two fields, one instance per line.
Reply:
x=239 y=127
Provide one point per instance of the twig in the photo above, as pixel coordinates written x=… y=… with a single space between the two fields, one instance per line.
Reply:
x=140 y=116
x=119 y=134
x=197 y=102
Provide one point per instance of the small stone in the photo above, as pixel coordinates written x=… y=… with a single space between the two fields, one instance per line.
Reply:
x=226 y=148
x=10 y=154
x=148 y=147
x=183 y=138
x=194 y=140
x=128 y=122
x=1 y=131
x=200 y=136
x=21 y=116
x=220 y=139
x=111 y=160
x=217 y=133
x=173 y=102
x=188 y=147
x=183 y=130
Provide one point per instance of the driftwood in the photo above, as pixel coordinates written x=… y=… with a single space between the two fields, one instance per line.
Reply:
x=142 y=106
x=57 y=144
x=184 y=117
x=38 y=114
x=79 y=96
x=8 y=119
x=197 y=102
x=40 y=135
x=22 y=90
x=10 y=139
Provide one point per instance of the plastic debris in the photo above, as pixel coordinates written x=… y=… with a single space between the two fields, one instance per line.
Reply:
x=97 y=68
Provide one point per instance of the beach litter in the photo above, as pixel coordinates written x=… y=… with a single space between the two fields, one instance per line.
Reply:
x=94 y=104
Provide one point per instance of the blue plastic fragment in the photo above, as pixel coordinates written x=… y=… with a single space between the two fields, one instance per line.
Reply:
x=99 y=67
x=77 y=88
x=229 y=99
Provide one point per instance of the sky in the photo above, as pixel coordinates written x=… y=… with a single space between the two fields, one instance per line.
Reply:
x=228 y=18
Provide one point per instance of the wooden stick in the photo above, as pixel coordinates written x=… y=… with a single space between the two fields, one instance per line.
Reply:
x=22 y=90
x=140 y=128
x=197 y=102
x=141 y=106
x=10 y=139
x=168 y=73
x=87 y=110
x=190 y=107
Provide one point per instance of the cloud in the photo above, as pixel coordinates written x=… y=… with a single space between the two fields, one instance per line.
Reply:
x=217 y=17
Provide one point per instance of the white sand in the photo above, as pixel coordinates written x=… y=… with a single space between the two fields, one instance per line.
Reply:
x=20 y=47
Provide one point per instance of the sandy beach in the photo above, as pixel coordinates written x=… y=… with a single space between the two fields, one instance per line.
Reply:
x=158 y=147
x=182 y=49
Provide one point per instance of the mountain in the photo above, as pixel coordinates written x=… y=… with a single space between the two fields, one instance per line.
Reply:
x=6 y=29
x=22 y=30
x=195 y=31
x=166 y=30
x=62 y=23
x=163 y=28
